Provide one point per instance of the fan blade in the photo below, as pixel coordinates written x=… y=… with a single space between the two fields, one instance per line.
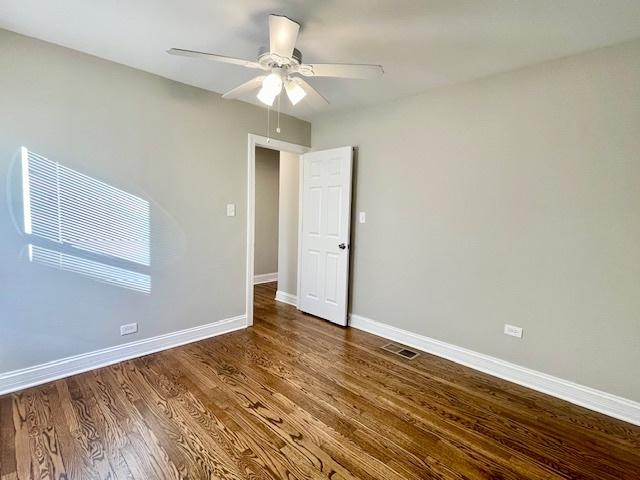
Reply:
x=216 y=58
x=245 y=88
x=283 y=34
x=341 y=70
x=313 y=97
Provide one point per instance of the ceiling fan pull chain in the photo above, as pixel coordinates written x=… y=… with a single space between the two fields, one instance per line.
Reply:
x=278 y=128
x=268 y=128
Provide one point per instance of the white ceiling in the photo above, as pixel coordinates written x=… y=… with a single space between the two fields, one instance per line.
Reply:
x=421 y=43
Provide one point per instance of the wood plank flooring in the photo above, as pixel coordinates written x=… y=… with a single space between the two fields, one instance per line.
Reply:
x=295 y=397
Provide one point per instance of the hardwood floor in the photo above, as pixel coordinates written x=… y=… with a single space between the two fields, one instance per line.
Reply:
x=297 y=397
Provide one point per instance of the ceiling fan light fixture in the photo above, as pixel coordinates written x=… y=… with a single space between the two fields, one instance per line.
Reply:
x=294 y=91
x=272 y=84
x=265 y=97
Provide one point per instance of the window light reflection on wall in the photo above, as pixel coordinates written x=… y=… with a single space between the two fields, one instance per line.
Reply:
x=88 y=226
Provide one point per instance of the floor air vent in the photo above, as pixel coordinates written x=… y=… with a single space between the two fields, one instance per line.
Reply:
x=404 y=352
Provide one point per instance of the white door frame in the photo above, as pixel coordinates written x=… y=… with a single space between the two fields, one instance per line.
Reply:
x=280 y=145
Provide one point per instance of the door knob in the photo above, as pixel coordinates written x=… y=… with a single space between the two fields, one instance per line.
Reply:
x=342 y=246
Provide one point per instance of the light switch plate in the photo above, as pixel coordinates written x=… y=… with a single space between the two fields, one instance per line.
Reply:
x=362 y=217
x=231 y=210
x=128 y=328
x=513 y=330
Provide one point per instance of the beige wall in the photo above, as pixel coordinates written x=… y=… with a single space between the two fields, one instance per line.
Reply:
x=288 y=236
x=512 y=199
x=266 y=219
x=182 y=148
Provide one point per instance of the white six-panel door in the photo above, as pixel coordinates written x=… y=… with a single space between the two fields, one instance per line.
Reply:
x=324 y=243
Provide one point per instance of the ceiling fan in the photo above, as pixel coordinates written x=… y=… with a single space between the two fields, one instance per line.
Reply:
x=284 y=63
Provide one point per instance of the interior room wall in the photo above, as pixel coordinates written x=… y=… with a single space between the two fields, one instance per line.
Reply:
x=266 y=211
x=181 y=148
x=288 y=223
x=507 y=200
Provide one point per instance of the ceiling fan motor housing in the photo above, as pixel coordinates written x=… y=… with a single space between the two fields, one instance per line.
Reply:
x=268 y=59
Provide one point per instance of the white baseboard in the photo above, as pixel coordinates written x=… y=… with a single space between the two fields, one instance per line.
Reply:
x=285 y=297
x=64 y=367
x=612 y=405
x=265 y=278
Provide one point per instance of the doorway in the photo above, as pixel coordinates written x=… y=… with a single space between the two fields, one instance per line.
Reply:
x=284 y=258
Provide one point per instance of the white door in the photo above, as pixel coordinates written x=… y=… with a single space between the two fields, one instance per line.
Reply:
x=324 y=243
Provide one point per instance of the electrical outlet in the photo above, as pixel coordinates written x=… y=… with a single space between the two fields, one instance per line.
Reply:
x=513 y=330
x=128 y=329
x=363 y=217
